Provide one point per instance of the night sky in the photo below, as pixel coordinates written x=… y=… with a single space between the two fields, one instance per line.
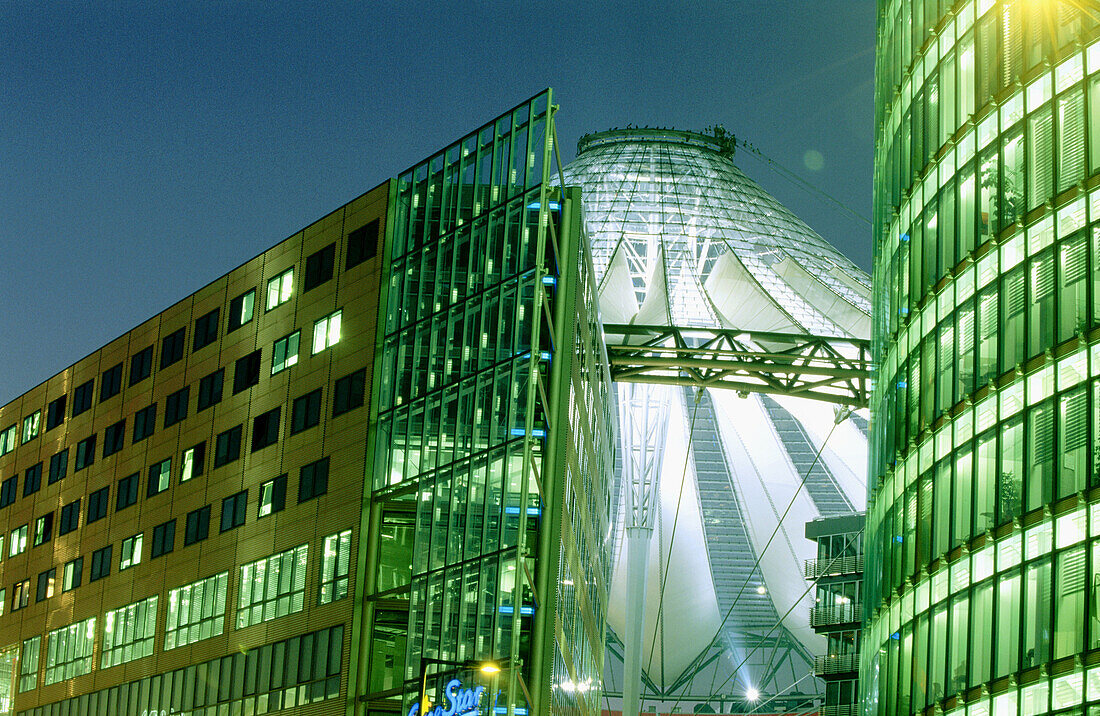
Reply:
x=148 y=148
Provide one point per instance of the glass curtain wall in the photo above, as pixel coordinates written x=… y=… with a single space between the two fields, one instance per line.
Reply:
x=984 y=510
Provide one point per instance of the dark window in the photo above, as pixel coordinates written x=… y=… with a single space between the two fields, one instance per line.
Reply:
x=21 y=594
x=8 y=490
x=145 y=422
x=240 y=310
x=192 y=461
x=210 y=389
x=127 y=491
x=198 y=526
x=319 y=267
x=101 y=564
x=55 y=413
x=141 y=365
x=247 y=372
x=265 y=429
x=85 y=453
x=362 y=244
x=113 y=438
x=348 y=392
x=206 y=330
x=70 y=518
x=233 y=510
x=175 y=406
x=97 y=504
x=171 y=348
x=160 y=477
x=272 y=496
x=32 y=479
x=306 y=411
x=45 y=584
x=82 y=397
x=72 y=574
x=313 y=480
x=59 y=463
x=111 y=384
x=164 y=539
x=43 y=529
x=227 y=446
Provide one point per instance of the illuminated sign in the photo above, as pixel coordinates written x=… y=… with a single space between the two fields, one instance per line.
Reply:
x=460 y=702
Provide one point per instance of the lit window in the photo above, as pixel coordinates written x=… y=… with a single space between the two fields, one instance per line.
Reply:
x=160 y=476
x=128 y=632
x=192 y=461
x=240 y=310
x=43 y=529
x=326 y=332
x=272 y=496
x=285 y=353
x=31 y=426
x=21 y=595
x=28 y=663
x=272 y=587
x=71 y=574
x=69 y=651
x=7 y=440
x=18 y=542
x=279 y=289
x=196 y=611
x=46 y=582
x=131 y=551
x=335 y=567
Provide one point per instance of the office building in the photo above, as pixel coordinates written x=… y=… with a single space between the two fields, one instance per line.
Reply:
x=983 y=515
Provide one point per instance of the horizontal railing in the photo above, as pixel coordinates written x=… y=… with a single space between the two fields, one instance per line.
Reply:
x=815 y=568
x=845 y=710
x=840 y=614
x=835 y=664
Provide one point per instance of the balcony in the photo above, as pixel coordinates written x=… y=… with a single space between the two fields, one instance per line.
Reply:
x=844 y=710
x=840 y=614
x=836 y=664
x=827 y=567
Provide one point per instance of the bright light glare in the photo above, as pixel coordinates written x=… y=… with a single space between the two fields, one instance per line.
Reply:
x=490 y=668
x=752 y=694
x=761 y=589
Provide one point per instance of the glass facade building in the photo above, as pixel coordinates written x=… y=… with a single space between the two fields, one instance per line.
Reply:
x=983 y=559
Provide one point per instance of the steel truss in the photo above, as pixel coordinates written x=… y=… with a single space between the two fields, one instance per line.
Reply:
x=830 y=369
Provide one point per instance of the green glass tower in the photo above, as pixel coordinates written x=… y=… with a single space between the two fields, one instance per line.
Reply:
x=983 y=533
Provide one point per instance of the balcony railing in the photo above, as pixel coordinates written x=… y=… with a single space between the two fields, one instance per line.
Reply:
x=845 y=710
x=835 y=664
x=840 y=614
x=815 y=568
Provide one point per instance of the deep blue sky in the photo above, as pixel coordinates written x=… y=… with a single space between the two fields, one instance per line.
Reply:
x=148 y=148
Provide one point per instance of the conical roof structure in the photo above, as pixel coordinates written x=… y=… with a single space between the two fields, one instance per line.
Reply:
x=680 y=236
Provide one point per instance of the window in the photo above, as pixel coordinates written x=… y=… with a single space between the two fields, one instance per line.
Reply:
x=246 y=373
x=273 y=587
x=43 y=529
x=196 y=611
x=82 y=397
x=28 y=662
x=127 y=491
x=160 y=476
x=69 y=651
x=362 y=244
x=113 y=438
x=240 y=310
x=31 y=425
x=306 y=411
x=71 y=574
x=335 y=567
x=197 y=527
x=55 y=413
x=70 y=518
x=206 y=330
x=32 y=479
x=265 y=429
x=128 y=633
x=98 y=502
x=233 y=510
x=272 y=496
x=171 y=348
x=20 y=594
x=130 y=553
x=45 y=584
x=141 y=365
x=17 y=544
x=313 y=480
x=164 y=539
x=58 y=465
x=7 y=440
x=347 y=394
x=210 y=389
x=285 y=352
x=3 y=600
x=326 y=332
x=227 y=446
x=175 y=406
x=8 y=489
x=279 y=288
x=145 y=422
x=319 y=267
x=101 y=564
x=111 y=383
x=192 y=461
x=85 y=453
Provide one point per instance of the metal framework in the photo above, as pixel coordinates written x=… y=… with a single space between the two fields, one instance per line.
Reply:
x=830 y=369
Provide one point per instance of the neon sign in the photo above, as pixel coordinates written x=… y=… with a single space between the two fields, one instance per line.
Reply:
x=460 y=702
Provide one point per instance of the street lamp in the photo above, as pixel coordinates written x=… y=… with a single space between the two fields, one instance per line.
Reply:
x=489 y=668
x=515 y=665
